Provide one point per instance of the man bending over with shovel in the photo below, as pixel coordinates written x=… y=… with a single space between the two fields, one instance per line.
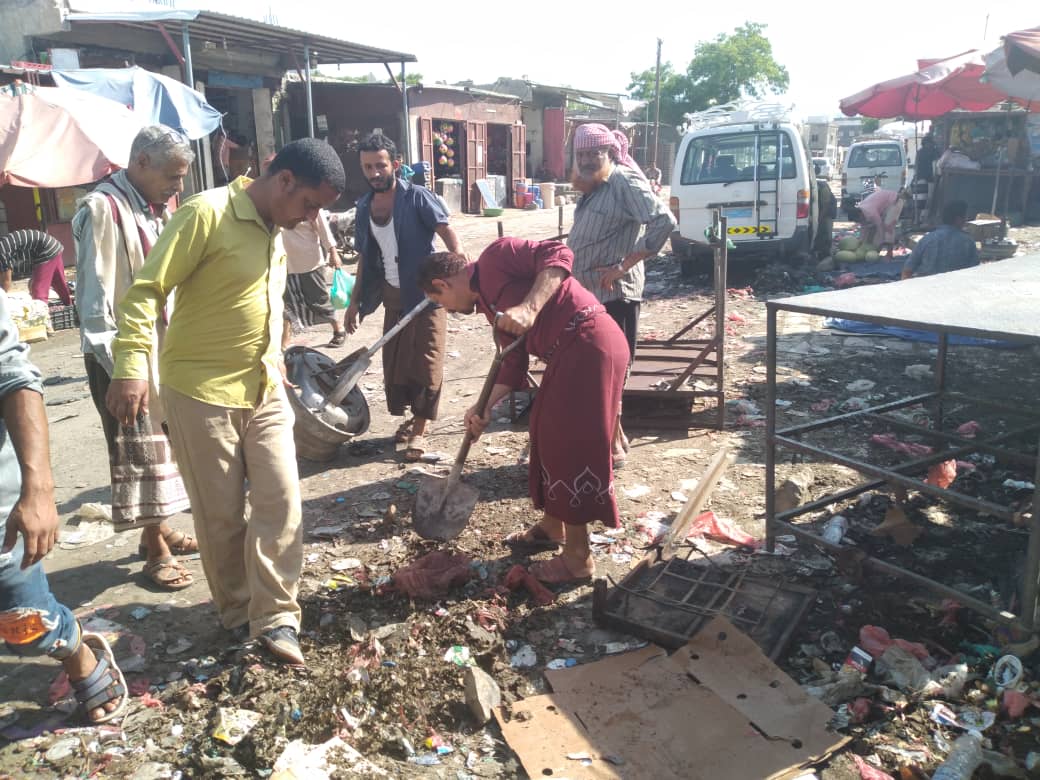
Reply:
x=525 y=288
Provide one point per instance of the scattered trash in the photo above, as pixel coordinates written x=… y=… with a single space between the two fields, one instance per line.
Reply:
x=1015 y=484
x=140 y=613
x=519 y=577
x=432 y=575
x=93 y=524
x=458 y=655
x=300 y=761
x=794 y=491
x=62 y=749
x=636 y=492
x=919 y=371
x=898 y=526
x=968 y=429
x=483 y=695
x=868 y=772
x=613 y=648
x=179 y=646
x=855 y=404
x=233 y=724
x=963 y=760
x=707 y=524
x=834 y=529
x=860 y=386
x=345 y=564
x=907 y=448
x=524 y=658
x=1007 y=671
x=561 y=663
x=744 y=406
x=678 y=495
x=942 y=474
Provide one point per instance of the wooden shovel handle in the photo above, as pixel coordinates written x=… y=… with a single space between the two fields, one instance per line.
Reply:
x=482 y=401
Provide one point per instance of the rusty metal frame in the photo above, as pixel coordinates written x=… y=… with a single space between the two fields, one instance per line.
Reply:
x=787 y=438
x=676 y=359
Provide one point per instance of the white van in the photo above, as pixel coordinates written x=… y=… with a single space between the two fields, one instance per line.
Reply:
x=881 y=159
x=761 y=177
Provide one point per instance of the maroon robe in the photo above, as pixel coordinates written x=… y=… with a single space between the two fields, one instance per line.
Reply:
x=570 y=475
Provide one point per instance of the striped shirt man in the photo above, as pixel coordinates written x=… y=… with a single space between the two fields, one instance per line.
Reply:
x=27 y=248
x=606 y=229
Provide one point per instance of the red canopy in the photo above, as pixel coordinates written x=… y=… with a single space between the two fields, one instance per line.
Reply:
x=1022 y=49
x=940 y=86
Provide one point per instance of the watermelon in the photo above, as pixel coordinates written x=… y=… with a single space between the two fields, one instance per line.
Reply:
x=871 y=256
x=849 y=243
x=845 y=256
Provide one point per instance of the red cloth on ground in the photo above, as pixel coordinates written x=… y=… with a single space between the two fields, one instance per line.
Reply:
x=570 y=475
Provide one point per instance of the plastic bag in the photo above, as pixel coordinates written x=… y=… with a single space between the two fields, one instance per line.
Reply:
x=342 y=288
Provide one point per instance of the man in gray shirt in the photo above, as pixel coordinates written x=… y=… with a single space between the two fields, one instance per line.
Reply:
x=32 y=622
x=615 y=206
x=947 y=248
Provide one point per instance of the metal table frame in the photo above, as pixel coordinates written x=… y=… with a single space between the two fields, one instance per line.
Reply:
x=789 y=438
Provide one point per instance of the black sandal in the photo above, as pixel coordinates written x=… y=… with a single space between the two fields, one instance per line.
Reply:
x=106 y=683
x=338 y=339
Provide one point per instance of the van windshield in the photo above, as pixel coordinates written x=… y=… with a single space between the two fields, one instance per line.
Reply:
x=875 y=156
x=714 y=159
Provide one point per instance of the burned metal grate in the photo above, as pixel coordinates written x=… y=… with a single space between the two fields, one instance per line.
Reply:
x=668 y=601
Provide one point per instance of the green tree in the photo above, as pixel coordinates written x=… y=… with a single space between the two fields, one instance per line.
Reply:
x=734 y=65
x=870 y=124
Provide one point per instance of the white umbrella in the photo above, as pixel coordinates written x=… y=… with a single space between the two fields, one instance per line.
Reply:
x=1025 y=86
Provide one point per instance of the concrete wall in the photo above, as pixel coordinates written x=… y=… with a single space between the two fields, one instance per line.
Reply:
x=20 y=19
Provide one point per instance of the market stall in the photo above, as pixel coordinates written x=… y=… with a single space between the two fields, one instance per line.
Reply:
x=990 y=161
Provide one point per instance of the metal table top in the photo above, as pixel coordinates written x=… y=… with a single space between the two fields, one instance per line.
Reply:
x=999 y=300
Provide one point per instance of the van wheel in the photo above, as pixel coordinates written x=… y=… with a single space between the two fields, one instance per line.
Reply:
x=695 y=264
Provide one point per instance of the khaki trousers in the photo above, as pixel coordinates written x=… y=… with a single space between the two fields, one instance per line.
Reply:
x=252 y=563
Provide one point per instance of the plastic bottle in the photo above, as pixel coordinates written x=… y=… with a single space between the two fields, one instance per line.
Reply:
x=834 y=530
x=964 y=758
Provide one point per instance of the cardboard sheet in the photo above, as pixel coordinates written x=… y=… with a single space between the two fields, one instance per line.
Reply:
x=649 y=715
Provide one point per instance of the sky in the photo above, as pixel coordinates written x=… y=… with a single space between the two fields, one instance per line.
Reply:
x=829 y=54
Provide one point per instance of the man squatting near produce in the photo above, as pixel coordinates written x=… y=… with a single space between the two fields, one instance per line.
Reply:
x=616 y=204
x=525 y=289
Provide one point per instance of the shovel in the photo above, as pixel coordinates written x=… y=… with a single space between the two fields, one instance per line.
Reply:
x=443 y=506
x=351 y=376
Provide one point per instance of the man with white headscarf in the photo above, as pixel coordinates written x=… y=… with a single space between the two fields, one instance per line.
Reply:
x=616 y=204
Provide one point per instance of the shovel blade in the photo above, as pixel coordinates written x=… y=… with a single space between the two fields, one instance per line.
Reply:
x=442 y=509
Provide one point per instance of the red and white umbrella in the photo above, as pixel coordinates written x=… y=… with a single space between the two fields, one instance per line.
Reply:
x=52 y=137
x=938 y=87
x=1022 y=49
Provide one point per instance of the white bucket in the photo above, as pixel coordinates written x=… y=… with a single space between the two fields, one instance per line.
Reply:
x=548 y=190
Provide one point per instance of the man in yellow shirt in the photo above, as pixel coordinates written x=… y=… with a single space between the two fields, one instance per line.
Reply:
x=226 y=406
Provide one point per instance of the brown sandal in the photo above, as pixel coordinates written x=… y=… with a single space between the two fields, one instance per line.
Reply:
x=416 y=448
x=533 y=539
x=168 y=574
x=179 y=542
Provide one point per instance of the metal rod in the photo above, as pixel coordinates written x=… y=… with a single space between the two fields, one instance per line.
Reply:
x=1031 y=576
x=407 y=141
x=940 y=375
x=985 y=507
x=657 y=106
x=981 y=446
x=832 y=498
x=720 y=320
x=189 y=71
x=1018 y=408
x=796 y=430
x=887 y=568
x=770 y=428
x=310 y=91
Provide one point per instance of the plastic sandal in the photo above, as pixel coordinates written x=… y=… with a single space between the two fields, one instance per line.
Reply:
x=106 y=683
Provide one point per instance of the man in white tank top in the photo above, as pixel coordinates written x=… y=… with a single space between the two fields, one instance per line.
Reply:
x=396 y=223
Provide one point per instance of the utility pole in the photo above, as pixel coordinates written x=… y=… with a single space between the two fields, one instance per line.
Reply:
x=657 y=107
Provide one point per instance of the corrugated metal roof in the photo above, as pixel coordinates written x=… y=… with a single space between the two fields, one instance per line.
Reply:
x=237 y=31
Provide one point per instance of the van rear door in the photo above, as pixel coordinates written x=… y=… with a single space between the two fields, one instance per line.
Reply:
x=750 y=175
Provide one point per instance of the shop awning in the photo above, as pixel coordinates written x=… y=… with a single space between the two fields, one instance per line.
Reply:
x=235 y=31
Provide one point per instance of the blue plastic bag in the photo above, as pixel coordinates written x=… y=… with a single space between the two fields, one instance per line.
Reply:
x=342 y=288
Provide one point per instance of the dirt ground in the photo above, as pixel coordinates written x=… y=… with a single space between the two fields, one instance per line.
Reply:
x=377 y=673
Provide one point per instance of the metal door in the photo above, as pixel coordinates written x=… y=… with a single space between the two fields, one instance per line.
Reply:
x=426 y=147
x=517 y=159
x=476 y=165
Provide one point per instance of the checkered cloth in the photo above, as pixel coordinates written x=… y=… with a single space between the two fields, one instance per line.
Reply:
x=594 y=136
x=146 y=485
